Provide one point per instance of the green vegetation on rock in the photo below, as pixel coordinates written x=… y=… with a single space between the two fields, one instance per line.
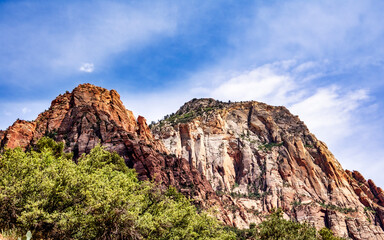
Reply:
x=275 y=227
x=336 y=208
x=190 y=111
x=44 y=191
x=268 y=146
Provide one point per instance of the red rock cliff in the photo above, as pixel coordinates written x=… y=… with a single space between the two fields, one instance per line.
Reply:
x=254 y=156
x=90 y=115
x=260 y=157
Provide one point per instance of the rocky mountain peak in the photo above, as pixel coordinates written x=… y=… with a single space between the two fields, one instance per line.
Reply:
x=81 y=118
x=88 y=94
x=91 y=115
x=198 y=104
x=242 y=158
x=258 y=157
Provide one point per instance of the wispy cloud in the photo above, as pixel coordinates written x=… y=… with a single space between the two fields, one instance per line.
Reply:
x=266 y=83
x=58 y=38
x=25 y=110
x=335 y=114
x=87 y=67
x=331 y=47
x=323 y=30
x=327 y=110
x=28 y=110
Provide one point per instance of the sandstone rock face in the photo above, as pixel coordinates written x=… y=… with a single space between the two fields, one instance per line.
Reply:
x=258 y=157
x=92 y=115
x=242 y=159
x=20 y=134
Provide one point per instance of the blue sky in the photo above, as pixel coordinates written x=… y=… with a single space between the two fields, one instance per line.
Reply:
x=324 y=60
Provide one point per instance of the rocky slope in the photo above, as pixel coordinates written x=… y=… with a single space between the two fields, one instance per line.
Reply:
x=90 y=115
x=259 y=157
x=242 y=159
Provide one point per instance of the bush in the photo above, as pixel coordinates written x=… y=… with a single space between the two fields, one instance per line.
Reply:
x=327 y=234
x=276 y=227
x=44 y=191
x=99 y=198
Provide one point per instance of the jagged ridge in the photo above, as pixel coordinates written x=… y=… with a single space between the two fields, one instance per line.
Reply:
x=260 y=157
x=255 y=156
x=90 y=115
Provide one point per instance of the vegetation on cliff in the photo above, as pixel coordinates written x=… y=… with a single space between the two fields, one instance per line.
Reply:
x=276 y=227
x=99 y=197
x=190 y=110
x=44 y=191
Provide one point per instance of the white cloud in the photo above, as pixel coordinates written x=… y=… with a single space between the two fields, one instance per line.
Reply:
x=263 y=84
x=63 y=37
x=112 y=29
x=342 y=118
x=25 y=110
x=345 y=119
x=345 y=31
x=10 y=111
x=329 y=112
x=87 y=67
x=154 y=106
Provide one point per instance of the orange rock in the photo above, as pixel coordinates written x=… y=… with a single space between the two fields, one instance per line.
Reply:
x=252 y=149
x=144 y=130
x=262 y=155
x=356 y=175
x=91 y=115
x=378 y=192
x=20 y=134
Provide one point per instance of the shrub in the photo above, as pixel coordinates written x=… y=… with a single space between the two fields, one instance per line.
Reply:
x=327 y=234
x=276 y=227
x=268 y=146
x=99 y=198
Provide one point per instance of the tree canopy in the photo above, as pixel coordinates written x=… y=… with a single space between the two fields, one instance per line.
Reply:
x=44 y=191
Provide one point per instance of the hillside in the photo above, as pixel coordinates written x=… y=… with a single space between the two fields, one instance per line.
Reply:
x=258 y=157
x=241 y=159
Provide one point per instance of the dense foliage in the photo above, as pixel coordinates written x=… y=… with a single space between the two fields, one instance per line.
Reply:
x=98 y=198
x=275 y=227
x=44 y=191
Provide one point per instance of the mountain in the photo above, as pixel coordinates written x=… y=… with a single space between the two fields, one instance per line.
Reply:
x=90 y=115
x=264 y=157
x=242 y=159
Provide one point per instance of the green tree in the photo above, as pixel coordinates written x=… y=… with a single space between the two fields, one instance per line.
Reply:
x=275 y=227
x=327 y=234
x=44 y=191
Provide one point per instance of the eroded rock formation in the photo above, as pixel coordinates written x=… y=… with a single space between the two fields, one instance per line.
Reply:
x=91 y=115
x=259 y=157
x=242 y=159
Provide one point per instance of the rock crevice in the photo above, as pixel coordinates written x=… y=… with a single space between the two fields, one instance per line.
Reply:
x=242 y=159
x=262 y=157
